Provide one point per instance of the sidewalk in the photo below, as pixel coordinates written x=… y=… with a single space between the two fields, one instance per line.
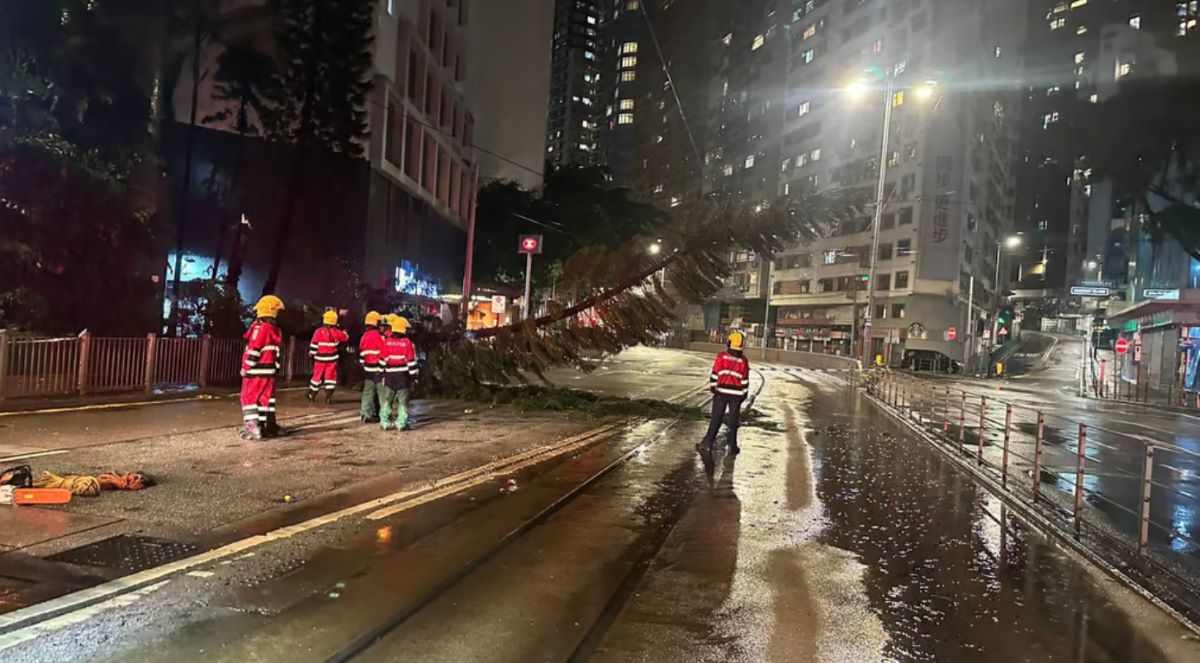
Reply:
x=214 y=488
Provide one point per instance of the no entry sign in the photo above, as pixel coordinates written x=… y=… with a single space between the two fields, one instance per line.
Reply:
x=951 y=334
x=1122 y=346
x=531 y=244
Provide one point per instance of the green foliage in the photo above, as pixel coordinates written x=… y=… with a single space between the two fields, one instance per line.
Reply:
x=75 y=102
x=576 y=207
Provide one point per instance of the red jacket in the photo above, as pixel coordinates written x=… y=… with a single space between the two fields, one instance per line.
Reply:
x=261 y=358
x=370 y=352
x=730 y=375
x=399 y=359
x=324 y=345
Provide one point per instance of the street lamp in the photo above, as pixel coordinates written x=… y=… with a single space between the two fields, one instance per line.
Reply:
x=1012 y=242
x=654 y=249
x=857 y=89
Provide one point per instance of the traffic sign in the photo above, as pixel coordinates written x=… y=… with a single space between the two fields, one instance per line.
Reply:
x=1002 y=332
x=951 y=334
x=1089 y=290
x=1122 y=346
x=499 y=304
x=530 y=244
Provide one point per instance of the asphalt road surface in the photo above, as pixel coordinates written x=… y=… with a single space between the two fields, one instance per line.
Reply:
x=835 y=536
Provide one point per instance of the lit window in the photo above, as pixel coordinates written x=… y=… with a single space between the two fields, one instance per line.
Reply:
x=758 y=42
x=1079 y=57
x=390 y=8
x=787 y=189
x=629 y=62
x=809 y=56
x=804 y=108
x=877 y=47
x=1075 y=4
x=899 y=67
x=998 y=52
x=727 y=170
x=632 y=5
x=625 y=104
x=1135 y=22
x=802 y=160
x=815 y=155
x=589 y=55
x=829 y=257
x=1095 y=98
x=629 y=47
x=1087 y=190
x=676 y=201
x=658 y=188
x=624 y=118
x=1058 y=23
x=628 y=76
x=1049 y=118
x=1042 y=225
x=785 y=165
x=658 y=139
x=591 y=20
x=1053 y=90
x=727 y=39
x=750 y=161
x=810 y=31
x=1081 y=30
x=1124 y=69
x=898 y=99
x=1185 y=26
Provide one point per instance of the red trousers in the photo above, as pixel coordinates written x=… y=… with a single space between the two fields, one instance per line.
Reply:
x=258 y=398
x=324 y=375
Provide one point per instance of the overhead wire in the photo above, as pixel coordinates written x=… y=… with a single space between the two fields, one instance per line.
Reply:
x=687 y=127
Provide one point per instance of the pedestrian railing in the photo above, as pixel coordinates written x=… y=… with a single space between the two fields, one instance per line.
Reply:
x=1127 y=496
x=49 y=367
x=1131 y=384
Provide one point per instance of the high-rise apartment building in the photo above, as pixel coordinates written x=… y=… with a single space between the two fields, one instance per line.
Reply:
x=787 y=124
x=575 y=117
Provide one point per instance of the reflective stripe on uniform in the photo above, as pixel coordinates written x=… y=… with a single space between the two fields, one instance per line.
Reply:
x=729 y=391
x=261 y=371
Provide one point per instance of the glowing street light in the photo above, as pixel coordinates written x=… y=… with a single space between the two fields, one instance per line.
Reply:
x=654 y=249
x=857 y=88
x=924 y=91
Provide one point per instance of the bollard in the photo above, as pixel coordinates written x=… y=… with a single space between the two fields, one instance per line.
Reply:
x=1004 y=457
x=962 y=418
x=1147 y=483
x=1080 y=456
x=982 y=424
x=1037 y=456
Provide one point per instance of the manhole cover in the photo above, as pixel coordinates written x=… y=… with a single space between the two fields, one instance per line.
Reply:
x=127 y=552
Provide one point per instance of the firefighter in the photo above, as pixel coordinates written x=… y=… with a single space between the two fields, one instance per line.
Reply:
x=260 y=365
x=323 y=349
x=400 y=372
x=370 y=355
x=729 y=384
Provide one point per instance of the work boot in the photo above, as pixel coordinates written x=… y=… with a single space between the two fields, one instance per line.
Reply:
x=273 y=429
x=329 y=397
x=370 y=420
x=251 y=431
x=312 y=396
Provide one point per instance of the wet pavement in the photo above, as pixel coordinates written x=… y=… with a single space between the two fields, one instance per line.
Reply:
x=835 y=536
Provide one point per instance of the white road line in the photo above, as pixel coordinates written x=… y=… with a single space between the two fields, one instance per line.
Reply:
x=35 y=454
x=76 y=617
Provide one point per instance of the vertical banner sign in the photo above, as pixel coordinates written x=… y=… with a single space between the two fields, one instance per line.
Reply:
x=943 y=200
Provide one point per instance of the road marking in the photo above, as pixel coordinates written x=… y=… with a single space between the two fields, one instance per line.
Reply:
x=36 y=454
x=15 y=638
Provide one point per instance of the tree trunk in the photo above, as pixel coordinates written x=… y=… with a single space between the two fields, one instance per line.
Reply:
x=224 y=227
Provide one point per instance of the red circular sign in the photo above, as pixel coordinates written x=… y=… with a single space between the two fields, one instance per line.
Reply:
x=531 y=244
x=1122 y=346
x=951 y=333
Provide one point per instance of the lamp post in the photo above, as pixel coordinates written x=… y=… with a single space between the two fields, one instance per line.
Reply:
x=1009 y=243
x=922 y=92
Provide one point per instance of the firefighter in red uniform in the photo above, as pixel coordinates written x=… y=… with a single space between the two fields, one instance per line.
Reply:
x=729 y=384
x=260 y=364
x=370 y=355
x=324 y=352
x=400 y=373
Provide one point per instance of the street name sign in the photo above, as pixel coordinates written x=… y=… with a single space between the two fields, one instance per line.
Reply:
x=1089 y=290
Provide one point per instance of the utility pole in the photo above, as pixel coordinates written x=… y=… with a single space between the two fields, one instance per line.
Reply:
x=884 y=149
x=969 y=351
x=529 y=245
x=767 y=308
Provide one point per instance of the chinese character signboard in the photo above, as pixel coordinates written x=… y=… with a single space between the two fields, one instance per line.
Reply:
x=940 y=200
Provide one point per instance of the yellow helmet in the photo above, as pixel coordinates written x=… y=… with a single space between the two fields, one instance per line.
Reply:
x=373 y=319
x=268 y=307
x=737 y=340
x=398 y=323
x=329 y=318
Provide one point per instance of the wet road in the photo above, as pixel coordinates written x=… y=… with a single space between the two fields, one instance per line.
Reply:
x=835 y=536
x=1117 y=435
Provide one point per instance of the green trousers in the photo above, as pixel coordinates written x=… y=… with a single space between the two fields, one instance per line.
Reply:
x=369 y=408
x=393 y=407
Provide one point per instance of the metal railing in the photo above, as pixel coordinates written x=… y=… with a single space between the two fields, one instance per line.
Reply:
x=1128 y=383
x=48 y=367
x=1129 y=495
